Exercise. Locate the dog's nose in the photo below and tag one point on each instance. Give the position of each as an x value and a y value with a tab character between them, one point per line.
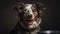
29	16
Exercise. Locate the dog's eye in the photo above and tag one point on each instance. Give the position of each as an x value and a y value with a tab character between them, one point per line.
25	9
21	8
34	10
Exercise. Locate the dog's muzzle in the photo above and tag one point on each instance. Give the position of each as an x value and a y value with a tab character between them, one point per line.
29	16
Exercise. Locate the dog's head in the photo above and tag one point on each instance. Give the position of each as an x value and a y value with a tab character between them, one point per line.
29	15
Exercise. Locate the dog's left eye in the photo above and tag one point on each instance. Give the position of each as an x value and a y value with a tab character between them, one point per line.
34	10
25	10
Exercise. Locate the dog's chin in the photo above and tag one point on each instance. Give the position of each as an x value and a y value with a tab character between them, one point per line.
27	23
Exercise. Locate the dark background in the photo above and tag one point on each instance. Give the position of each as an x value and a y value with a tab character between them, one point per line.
8	16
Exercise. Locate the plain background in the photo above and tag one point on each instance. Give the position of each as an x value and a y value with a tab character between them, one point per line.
8	16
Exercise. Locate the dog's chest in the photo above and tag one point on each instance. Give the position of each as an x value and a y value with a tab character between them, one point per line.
36	31
27	32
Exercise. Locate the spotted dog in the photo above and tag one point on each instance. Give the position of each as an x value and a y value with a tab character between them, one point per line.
29	19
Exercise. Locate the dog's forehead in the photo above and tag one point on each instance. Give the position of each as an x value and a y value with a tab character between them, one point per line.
29	5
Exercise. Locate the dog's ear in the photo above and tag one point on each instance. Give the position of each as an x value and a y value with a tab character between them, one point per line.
40	8
19	7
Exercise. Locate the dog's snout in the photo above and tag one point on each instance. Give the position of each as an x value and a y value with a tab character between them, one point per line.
29	16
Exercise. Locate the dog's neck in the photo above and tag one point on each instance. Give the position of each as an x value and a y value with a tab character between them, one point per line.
22	31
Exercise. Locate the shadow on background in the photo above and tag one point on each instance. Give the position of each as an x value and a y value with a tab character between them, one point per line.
8	16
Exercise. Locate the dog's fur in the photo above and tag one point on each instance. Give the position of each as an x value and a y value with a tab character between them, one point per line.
29	18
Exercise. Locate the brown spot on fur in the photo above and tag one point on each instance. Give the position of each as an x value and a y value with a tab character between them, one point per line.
41	12
33	8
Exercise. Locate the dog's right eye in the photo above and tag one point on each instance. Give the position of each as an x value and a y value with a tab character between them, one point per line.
34	10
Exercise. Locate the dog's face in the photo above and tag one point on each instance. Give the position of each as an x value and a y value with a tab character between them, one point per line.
28	16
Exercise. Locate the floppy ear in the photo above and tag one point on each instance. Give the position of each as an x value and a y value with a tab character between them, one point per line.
40	8
19	7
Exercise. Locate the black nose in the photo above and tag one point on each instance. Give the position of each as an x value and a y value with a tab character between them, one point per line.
29	16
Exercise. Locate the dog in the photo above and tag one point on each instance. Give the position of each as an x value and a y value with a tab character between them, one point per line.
29	18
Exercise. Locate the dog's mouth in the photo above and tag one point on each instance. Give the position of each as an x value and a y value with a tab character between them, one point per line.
28	21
